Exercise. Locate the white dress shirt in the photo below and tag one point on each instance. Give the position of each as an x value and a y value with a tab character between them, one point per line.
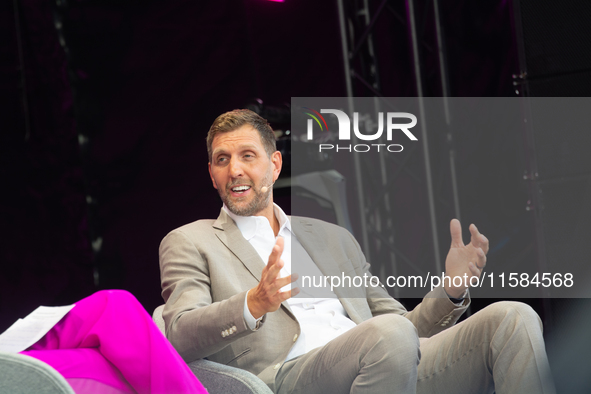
320	319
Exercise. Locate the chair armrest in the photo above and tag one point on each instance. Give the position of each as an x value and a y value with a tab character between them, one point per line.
219	378
24	374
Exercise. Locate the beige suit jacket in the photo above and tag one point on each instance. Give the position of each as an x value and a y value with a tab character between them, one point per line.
207	267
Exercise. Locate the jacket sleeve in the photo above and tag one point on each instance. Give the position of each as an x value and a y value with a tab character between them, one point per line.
195	325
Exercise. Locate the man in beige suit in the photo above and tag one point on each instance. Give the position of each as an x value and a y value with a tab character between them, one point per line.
225	283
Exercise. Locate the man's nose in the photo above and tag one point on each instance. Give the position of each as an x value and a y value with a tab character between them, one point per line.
235	168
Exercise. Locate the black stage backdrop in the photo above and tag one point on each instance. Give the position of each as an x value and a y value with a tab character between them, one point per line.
103	137
105	106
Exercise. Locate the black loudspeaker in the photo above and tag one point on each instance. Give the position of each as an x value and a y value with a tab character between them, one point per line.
559	160
554	47
554	42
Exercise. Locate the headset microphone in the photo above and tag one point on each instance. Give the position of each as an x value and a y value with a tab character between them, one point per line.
265	188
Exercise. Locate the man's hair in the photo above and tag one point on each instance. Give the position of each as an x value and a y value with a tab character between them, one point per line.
237	118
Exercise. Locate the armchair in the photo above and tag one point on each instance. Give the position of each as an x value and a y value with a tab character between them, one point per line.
218	378
24	374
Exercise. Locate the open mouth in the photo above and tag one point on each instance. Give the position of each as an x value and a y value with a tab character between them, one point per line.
240	189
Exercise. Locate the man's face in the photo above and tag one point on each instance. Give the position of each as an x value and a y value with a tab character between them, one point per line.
240	167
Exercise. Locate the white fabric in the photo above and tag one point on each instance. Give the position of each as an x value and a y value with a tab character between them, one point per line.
320	319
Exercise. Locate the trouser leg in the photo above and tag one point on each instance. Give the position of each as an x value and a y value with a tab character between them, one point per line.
378	356
499	349
114	323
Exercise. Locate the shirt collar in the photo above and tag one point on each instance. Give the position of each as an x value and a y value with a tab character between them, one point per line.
248	225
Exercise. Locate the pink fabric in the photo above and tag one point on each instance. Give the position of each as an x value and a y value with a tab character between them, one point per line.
108	337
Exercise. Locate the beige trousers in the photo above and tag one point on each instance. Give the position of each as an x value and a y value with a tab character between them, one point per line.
500	349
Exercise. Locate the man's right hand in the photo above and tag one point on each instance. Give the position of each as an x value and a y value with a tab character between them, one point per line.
267	297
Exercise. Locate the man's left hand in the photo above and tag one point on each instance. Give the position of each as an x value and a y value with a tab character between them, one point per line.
461	260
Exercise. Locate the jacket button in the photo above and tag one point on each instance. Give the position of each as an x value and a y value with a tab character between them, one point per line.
295	337
277	366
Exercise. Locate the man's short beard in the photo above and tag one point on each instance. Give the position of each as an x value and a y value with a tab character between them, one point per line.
259	202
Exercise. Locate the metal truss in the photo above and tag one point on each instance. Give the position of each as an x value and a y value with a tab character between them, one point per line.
378	214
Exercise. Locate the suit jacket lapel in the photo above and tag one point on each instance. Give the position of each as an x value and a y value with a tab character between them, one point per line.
313	243
230	235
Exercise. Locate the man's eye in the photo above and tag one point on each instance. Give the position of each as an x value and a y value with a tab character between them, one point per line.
222	159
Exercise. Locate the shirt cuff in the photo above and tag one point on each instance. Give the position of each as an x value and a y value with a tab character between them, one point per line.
251	322
458	301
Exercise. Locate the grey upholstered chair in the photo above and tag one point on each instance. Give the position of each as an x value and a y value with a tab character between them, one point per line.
23	374
218	378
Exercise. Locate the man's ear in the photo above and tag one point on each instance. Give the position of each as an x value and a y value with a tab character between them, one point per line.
277	161
211	176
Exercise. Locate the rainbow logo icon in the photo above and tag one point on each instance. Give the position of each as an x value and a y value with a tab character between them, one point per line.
315	117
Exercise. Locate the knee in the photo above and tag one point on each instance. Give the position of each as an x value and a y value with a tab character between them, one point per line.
388	352
392	328
397	338
504	308
119	294
514	314
118	298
